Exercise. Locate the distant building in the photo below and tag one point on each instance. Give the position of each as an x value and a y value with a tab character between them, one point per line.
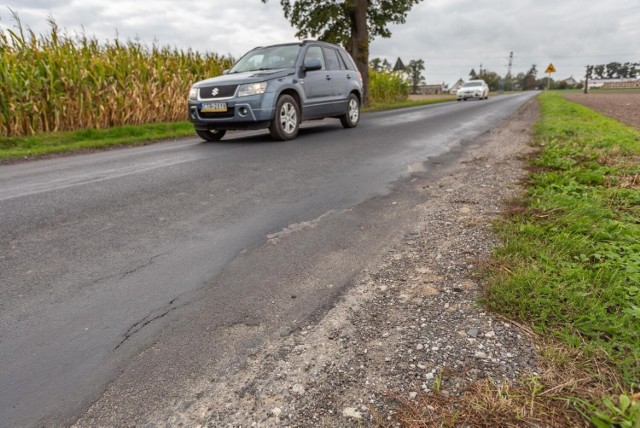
570	81
629	83
454	88
430	89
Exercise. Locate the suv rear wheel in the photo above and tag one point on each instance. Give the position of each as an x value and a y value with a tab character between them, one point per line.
286	123
211	135
351	118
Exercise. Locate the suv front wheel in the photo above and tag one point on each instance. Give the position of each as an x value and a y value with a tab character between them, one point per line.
286	123
351	118
211	135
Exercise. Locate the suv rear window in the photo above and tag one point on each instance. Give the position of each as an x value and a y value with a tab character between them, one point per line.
333	62
346	58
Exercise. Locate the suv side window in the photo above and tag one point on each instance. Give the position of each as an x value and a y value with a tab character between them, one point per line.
333	63
315	52
347	60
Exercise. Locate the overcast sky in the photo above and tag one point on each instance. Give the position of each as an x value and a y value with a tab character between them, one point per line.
451	36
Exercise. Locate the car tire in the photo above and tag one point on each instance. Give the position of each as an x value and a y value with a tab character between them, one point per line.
211	135
286	122
351	118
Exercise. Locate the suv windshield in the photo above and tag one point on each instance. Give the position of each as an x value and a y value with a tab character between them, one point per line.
469	84
270	58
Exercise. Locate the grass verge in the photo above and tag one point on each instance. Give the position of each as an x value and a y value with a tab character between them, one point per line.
569	272
90	139
570	266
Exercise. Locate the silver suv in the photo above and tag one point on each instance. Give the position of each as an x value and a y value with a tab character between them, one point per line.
277	87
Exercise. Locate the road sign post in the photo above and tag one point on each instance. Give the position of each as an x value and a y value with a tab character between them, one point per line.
550	69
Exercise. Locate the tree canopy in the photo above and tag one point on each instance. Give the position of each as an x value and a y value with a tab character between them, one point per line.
350	23
331	20
614	70
414	70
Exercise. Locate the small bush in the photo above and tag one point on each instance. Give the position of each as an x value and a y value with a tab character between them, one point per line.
387	88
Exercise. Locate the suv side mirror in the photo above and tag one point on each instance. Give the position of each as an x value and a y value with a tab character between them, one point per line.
225	71
312	65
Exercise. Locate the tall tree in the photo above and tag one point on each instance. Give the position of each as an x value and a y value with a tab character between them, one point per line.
473	75
415	69
492	78
613	70
530	81
376	64
599	70
351	23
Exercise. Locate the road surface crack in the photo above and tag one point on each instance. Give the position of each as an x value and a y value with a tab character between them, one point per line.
146	321
144	265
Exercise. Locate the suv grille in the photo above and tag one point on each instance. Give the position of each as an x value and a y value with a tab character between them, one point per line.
218	91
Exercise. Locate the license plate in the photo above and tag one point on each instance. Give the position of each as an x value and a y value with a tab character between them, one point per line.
213	107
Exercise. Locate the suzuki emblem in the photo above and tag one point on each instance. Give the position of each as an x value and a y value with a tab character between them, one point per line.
215	91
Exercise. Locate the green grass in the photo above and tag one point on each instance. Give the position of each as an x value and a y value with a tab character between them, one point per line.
570	264
90	139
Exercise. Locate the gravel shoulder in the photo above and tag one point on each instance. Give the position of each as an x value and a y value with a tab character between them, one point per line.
412	320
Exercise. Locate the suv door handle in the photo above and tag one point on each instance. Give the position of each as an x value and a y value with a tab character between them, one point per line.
348	76
328	77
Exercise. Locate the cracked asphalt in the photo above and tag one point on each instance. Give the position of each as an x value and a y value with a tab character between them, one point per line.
128	276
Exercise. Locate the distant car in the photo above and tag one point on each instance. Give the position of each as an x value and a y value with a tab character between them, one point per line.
473	89
277	87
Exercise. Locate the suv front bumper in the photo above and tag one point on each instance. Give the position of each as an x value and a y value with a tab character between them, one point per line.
252	112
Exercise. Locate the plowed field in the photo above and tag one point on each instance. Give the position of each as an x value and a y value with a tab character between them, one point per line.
623	106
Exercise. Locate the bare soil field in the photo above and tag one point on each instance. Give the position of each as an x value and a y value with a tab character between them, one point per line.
623	106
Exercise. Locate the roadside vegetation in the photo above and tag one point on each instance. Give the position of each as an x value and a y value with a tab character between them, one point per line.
569	273
390	92
90	139
57	82
64	94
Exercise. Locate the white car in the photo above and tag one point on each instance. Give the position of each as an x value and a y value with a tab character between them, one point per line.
473	89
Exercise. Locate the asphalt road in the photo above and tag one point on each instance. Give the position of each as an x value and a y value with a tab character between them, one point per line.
131	274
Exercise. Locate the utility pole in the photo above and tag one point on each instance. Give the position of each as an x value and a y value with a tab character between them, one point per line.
507	78
586	78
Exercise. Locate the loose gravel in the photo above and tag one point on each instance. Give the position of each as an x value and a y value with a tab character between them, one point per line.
406	327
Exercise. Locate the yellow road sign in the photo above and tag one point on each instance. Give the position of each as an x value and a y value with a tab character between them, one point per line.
550	69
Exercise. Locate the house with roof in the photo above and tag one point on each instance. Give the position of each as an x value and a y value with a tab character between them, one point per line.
430	89
627	83
454	88
570	81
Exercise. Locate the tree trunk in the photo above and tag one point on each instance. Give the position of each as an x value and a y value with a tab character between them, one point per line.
359	42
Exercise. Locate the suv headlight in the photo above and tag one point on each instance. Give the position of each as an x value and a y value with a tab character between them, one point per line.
193	93
252	89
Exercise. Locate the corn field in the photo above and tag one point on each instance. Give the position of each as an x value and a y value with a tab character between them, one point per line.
56	82
387	87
